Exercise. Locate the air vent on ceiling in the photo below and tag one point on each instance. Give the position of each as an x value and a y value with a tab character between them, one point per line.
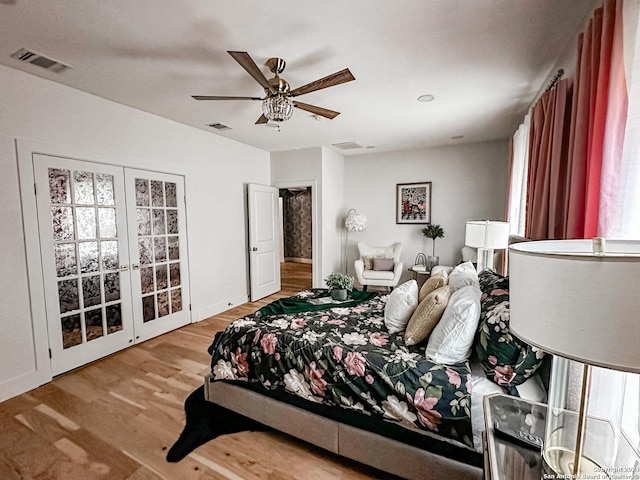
28	56
347	145
219	126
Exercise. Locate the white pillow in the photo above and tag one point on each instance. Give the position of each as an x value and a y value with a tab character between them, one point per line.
400	306
451	340
462	275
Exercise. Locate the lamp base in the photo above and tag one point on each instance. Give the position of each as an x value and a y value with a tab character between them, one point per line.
558	461
485	259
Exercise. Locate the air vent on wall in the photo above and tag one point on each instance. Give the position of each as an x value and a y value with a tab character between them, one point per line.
219	126
28	56
347	145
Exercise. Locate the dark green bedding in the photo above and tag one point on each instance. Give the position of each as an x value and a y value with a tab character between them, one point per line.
344	356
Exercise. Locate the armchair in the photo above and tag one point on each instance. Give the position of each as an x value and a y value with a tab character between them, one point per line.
371	269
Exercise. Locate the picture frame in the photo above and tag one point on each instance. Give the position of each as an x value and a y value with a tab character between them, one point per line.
413	203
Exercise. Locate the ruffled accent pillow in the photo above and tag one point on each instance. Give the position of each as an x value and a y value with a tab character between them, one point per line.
507	360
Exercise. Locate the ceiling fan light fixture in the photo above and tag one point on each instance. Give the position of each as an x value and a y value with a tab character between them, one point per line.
277	108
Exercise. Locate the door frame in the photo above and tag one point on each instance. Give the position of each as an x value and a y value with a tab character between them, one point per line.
316	227
41	372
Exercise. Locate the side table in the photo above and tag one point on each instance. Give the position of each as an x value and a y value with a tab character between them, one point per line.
505	460
420	273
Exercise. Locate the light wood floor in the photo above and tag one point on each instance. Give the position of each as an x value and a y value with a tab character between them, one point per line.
116	418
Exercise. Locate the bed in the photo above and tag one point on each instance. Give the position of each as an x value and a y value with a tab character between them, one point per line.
332	375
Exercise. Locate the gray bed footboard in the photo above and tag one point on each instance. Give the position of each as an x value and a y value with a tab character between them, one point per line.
372	449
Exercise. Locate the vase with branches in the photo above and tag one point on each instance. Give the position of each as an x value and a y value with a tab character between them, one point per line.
433	232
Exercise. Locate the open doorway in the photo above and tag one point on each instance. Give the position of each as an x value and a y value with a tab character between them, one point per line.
296	241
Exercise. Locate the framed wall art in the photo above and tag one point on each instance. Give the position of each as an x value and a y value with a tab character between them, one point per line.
413	203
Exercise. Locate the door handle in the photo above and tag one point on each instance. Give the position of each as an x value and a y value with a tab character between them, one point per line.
124	268
135	266
254	249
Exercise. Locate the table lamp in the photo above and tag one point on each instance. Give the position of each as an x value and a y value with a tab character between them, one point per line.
579	300
486	236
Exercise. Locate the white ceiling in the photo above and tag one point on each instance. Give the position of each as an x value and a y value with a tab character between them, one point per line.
483	60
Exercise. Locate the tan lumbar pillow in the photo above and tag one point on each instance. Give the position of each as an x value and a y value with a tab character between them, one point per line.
438	280
426	316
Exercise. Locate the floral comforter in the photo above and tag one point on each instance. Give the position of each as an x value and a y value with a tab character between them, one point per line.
344	356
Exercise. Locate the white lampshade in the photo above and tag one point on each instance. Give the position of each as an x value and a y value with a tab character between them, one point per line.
487	234
571	302
355	222
579	300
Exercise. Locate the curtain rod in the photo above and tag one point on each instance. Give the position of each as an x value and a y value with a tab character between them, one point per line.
556	78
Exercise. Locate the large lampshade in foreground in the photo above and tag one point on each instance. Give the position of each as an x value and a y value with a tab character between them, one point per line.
486	236
579	300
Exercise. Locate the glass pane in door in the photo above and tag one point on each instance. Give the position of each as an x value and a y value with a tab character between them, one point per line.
85	239
158	247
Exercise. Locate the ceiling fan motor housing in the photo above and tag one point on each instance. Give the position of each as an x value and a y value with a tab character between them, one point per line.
280	85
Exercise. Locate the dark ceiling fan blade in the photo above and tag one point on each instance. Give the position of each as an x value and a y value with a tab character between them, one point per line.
337	78
262	120
252	69
215	97
324	112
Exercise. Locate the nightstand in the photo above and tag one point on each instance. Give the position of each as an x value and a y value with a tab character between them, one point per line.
505	460
420	273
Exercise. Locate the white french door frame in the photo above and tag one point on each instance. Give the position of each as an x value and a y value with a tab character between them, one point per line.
87	350
41	371
316	229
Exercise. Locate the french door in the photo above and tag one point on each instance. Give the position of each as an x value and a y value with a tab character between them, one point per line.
113	255
158	249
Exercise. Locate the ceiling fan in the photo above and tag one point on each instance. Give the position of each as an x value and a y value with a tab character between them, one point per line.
278	104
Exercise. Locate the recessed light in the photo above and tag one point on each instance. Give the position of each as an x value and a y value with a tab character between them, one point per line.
426	98
457	137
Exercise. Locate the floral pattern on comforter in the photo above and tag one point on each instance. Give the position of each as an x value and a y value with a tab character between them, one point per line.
345	356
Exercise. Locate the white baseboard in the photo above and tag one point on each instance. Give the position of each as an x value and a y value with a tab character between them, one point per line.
211	310
298	260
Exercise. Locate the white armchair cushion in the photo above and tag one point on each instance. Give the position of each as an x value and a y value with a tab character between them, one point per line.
400	306
392	251
376	277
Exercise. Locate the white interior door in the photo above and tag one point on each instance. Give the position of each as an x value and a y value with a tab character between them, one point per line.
264	241
158	248
85	259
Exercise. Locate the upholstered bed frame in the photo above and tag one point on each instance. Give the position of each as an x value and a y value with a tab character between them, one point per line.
372	449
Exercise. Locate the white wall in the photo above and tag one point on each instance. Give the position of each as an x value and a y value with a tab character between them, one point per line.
297	168
333	212
323	168
59	120
469	182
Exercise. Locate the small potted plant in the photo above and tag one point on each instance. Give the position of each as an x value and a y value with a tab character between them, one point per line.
339	284
433	231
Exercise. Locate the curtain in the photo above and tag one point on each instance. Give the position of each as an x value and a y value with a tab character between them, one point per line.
516	205
620	204
588	123
548	146
577	136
